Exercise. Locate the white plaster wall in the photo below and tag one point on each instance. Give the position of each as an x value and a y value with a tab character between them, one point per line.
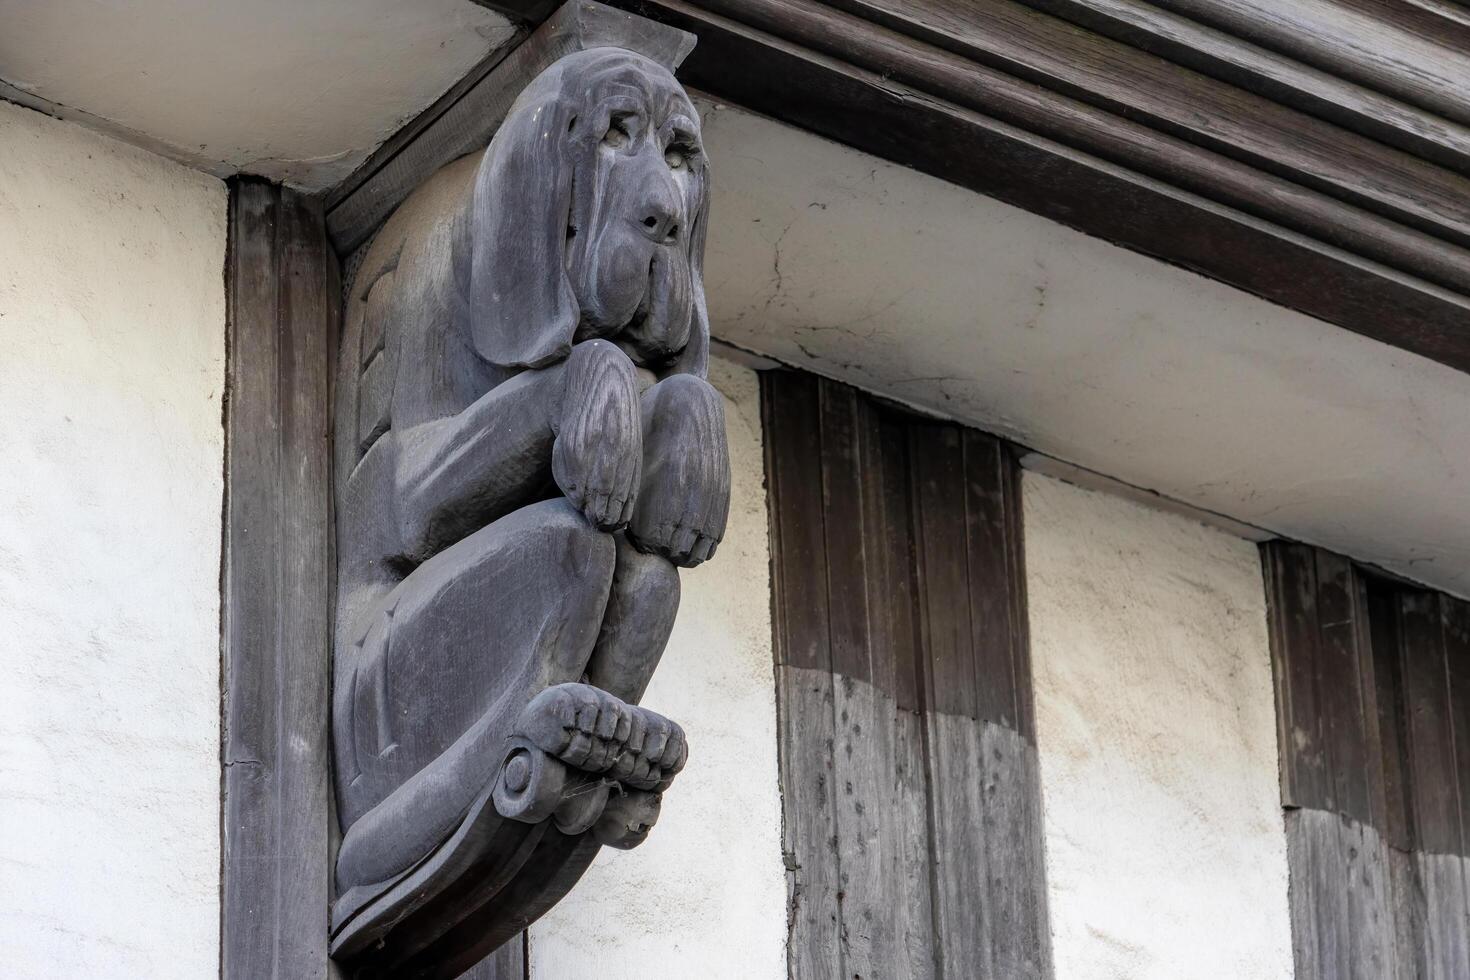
850	266
1165	849
112	320
705	896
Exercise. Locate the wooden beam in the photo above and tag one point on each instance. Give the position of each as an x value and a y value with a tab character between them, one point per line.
1271	149
530	12
1159	98
1400	49
467	116
1279	77
278	574
873	111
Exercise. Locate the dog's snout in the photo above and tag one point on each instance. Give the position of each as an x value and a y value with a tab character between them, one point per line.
659	217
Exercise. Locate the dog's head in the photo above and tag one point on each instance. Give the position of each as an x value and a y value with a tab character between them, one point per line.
588	218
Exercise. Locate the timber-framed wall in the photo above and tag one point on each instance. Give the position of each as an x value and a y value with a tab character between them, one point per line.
908	761
1328	183
1373	706
277	575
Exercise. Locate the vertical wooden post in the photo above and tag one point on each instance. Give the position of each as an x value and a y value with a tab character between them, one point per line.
276	583
908	774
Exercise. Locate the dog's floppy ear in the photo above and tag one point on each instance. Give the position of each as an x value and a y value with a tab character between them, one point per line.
523	313
694	358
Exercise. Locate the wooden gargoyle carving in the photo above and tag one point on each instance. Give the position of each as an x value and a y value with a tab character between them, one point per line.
527	451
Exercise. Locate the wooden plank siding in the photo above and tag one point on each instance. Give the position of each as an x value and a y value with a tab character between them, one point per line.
278	571
908	768
1372	694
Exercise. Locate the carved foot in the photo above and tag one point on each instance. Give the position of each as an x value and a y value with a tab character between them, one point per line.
590	730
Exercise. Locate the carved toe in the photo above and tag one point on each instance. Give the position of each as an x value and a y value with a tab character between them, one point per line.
588	729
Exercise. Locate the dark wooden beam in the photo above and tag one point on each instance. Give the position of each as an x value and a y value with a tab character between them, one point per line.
833	95
467	116
1278	77
1399	48
278	573
530	12
1172	110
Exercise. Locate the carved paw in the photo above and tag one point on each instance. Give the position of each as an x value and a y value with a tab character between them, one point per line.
590	730
598	455
684	500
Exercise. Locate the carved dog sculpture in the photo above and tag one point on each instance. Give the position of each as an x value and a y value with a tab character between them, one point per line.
526	449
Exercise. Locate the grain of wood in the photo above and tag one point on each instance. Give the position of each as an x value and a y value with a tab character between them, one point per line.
913	833
278	569
1222	55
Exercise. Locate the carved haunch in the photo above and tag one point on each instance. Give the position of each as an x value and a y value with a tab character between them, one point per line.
527	450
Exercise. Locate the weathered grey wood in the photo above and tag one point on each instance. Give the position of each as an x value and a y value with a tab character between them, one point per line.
886	918
1434	784
804	682
1276	76
506	963
465	120
1446	919
527	452
1431	739
1340	686
1015	913
1173	100
985	821
276	587
1455	624
958	769
1376	847
895	764
925	820
1291	593
1341	897
1394	48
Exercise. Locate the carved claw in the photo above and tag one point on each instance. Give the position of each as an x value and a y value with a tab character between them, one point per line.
590	730
597	458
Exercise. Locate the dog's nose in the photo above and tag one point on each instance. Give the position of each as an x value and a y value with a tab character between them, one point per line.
659	217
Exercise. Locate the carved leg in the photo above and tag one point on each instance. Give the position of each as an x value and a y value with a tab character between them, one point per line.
636	626
460	648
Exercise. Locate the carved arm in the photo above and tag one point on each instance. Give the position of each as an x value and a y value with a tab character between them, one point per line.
577	420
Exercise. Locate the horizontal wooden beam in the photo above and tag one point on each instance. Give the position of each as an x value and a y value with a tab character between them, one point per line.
1263	145
883	92
1149	93
1279	77
1408	50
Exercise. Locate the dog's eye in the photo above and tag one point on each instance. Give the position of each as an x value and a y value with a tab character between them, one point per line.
617	135
679	155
